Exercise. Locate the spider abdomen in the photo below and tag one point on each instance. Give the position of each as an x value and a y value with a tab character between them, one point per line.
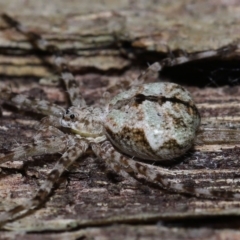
156	121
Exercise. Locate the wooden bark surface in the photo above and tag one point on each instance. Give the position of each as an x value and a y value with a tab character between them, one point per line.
108	43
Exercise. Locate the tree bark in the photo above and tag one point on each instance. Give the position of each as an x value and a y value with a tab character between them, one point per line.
107	45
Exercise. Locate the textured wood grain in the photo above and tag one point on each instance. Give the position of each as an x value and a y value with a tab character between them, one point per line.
89	198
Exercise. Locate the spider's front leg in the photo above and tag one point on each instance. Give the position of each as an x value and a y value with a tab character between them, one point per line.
49	139
204	183
47	145
67	159
34	105
60	62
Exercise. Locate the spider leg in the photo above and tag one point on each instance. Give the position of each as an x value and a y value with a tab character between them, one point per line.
50	121
48	145
34	105
67	159
72	86
48	127
169	62
150	71
60	62
205	183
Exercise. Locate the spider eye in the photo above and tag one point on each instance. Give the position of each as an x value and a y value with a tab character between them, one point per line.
67	111
72	116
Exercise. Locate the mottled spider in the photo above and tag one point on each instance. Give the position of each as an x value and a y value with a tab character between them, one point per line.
156	121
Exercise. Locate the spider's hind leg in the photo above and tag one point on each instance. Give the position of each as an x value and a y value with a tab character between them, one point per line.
47	145
67	159
184	58
203	183
60	62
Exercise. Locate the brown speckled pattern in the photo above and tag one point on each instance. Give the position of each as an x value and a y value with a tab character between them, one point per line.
151	121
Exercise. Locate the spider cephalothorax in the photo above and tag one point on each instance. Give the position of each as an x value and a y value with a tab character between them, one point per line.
84	121
156	121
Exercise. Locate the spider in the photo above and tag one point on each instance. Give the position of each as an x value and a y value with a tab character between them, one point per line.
156	122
